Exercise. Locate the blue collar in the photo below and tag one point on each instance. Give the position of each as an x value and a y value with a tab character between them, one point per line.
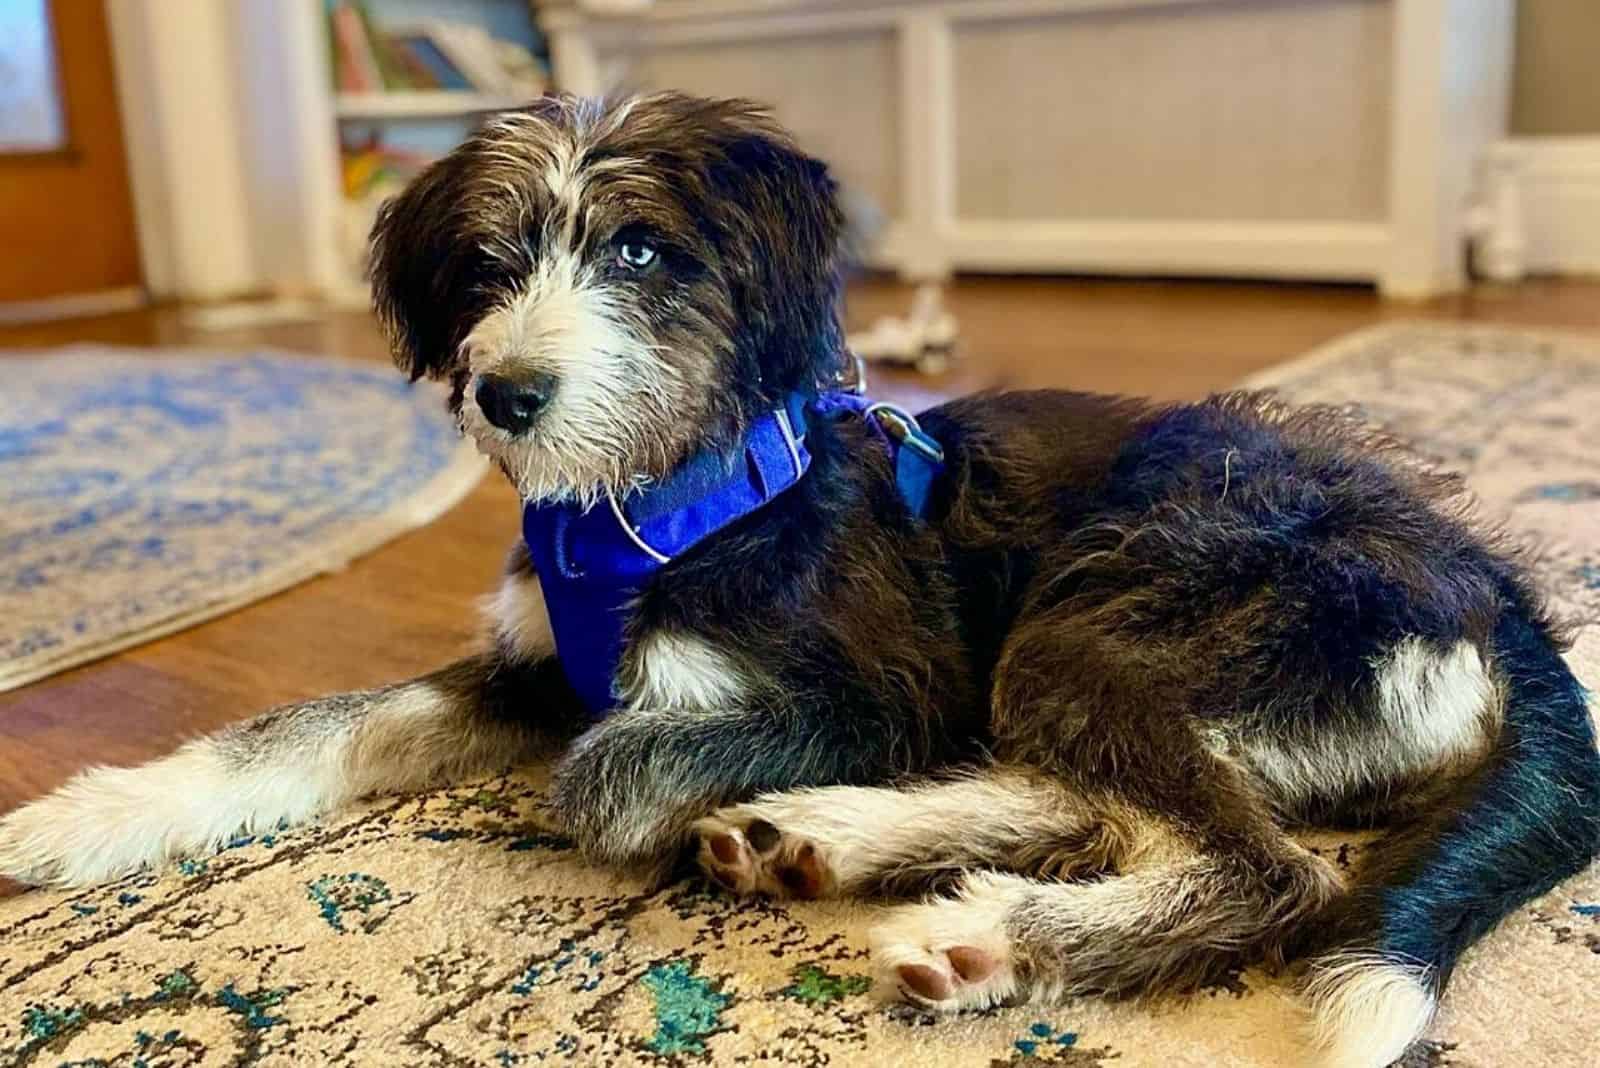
592	563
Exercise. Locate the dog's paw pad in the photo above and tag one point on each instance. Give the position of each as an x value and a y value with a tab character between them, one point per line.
763	836
926	981
750	855
726	848
950	979
942	957
972	964
726	858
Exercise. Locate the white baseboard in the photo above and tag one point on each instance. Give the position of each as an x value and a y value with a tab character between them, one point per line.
75	306
1329	251
1321	251
1540	211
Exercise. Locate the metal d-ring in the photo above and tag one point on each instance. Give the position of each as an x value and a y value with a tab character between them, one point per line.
857	384
904	428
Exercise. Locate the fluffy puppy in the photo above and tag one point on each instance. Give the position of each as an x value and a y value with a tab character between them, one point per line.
1080	698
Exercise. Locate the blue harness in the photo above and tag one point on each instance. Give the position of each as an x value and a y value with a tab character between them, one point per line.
593	563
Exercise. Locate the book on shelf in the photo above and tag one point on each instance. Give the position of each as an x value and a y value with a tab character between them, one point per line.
355	65
419	73
488	64
422	53
426	55
468	48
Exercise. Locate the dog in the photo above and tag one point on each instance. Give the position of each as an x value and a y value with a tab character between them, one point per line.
1073	698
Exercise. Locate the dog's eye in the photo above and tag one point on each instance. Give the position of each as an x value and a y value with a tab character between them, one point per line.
636	255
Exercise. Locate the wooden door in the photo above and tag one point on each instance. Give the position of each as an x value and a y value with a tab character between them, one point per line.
66	216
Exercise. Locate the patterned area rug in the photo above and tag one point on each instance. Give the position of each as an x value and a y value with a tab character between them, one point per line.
141	493
455	929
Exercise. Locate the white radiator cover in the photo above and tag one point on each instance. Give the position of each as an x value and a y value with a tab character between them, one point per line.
1320	139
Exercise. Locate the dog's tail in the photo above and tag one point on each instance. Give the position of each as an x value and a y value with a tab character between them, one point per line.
1527	820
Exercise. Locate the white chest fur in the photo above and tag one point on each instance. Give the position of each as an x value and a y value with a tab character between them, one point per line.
665	671
677	671
519	619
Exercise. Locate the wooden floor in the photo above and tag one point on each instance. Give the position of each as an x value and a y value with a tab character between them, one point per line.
409	606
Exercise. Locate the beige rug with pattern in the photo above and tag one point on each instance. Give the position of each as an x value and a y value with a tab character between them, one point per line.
456	929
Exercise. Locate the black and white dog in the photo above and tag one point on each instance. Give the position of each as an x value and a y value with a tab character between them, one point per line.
1078	697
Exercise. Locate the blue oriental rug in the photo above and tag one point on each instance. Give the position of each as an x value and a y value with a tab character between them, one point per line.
142	491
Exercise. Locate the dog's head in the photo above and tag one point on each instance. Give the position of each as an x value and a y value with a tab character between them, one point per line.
612	285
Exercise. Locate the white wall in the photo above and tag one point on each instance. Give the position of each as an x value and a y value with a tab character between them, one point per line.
230	142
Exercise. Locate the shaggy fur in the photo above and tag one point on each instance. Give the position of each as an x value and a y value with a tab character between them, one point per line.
1081	701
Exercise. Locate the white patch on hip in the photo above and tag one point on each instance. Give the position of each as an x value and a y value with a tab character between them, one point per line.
1434	709
1442	703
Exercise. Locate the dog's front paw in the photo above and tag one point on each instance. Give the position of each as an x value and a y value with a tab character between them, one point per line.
33	849
950	953
72	838
616	808
109	822
740	849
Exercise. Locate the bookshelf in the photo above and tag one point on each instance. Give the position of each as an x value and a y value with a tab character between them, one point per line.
407	79
421	104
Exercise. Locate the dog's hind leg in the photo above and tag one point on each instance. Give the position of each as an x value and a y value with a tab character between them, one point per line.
1054	891
1163	925
285	765
1210	880
841	840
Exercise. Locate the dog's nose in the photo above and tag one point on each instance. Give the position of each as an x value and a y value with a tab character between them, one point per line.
512	404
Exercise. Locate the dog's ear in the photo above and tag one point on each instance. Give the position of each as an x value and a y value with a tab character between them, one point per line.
424	275
782	226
